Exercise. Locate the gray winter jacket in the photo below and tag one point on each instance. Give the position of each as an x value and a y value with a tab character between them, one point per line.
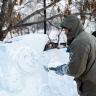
82	64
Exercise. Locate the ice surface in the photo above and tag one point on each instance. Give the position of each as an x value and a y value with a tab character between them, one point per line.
21	70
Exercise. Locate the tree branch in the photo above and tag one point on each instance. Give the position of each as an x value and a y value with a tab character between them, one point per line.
58	15
36	12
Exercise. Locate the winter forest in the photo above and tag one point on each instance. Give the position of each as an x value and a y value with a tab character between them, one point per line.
31	38
20	17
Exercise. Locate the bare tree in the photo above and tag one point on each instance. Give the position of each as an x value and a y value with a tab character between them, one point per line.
10	19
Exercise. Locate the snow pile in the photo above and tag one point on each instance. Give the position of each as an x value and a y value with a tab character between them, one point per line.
21	70
60	85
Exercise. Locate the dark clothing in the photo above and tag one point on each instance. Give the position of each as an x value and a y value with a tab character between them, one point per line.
88	88
82	64
94	33
68	49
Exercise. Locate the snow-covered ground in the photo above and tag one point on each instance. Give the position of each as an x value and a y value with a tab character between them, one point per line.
60	85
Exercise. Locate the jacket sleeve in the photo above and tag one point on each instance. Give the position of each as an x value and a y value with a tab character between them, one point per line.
78	59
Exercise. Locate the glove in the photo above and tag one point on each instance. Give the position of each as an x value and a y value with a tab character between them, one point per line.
61	70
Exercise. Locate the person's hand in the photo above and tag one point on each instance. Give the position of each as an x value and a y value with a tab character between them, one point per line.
61	70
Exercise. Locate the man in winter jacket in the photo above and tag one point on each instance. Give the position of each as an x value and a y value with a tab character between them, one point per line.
82	64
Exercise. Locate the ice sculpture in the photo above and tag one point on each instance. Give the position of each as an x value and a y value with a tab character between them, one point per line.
27	59
21	71
14	80
44	90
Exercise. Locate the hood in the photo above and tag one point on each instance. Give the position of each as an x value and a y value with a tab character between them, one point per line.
74	25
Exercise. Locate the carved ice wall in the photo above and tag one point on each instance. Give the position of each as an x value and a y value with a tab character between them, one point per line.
21	70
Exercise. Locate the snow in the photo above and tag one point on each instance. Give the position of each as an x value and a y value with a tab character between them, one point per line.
54	36
60	85
22	72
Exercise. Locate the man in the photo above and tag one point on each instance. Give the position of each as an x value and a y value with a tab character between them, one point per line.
82	64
